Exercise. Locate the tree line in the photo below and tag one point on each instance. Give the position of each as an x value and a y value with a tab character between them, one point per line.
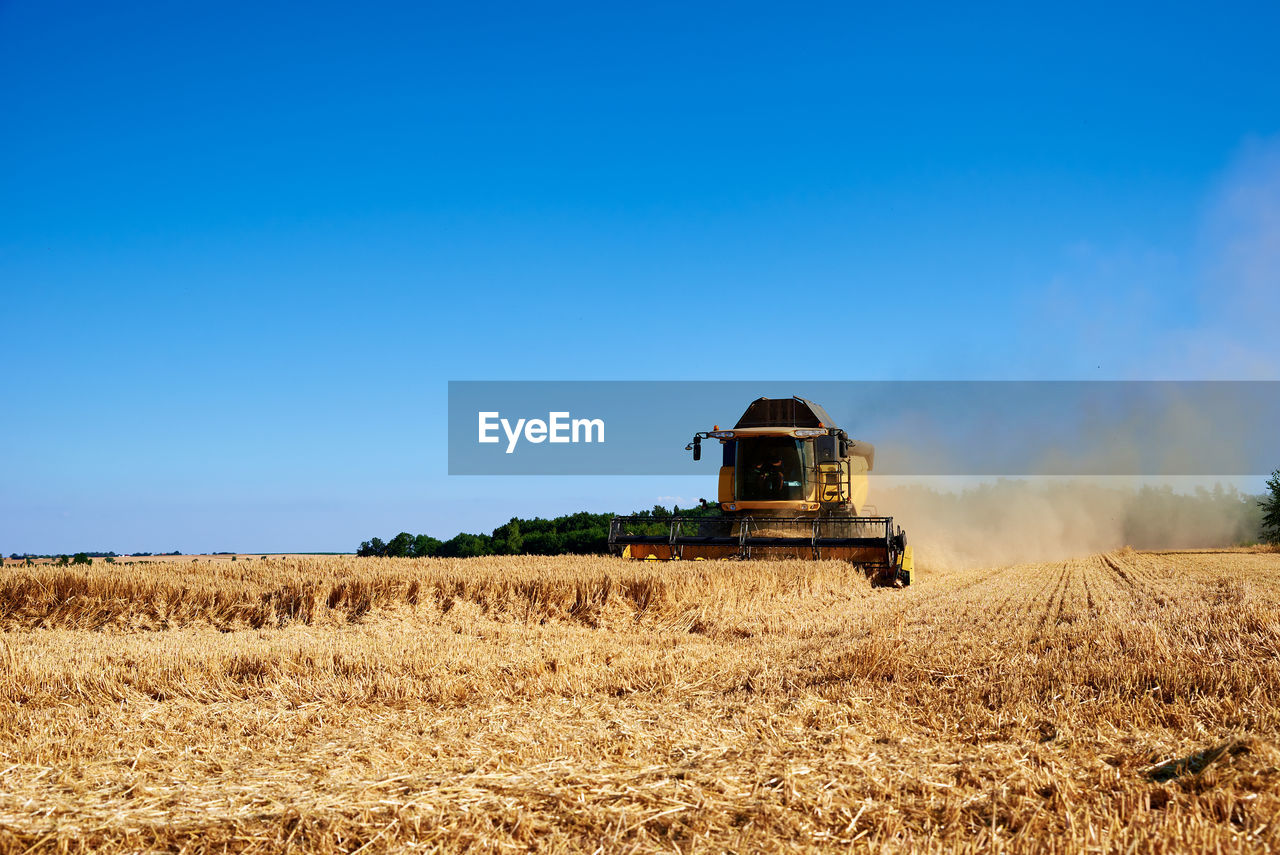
1251	518
582	533
66	560
1269	504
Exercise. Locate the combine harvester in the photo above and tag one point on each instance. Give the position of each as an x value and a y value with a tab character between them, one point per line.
792	485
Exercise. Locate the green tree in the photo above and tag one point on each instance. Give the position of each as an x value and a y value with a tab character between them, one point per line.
401	546
544	543
586	541
465	545
507	539
1270	505
425	546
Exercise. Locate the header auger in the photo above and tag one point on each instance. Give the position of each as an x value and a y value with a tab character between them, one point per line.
792	485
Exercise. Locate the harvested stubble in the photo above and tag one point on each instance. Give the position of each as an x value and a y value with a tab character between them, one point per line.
1127	701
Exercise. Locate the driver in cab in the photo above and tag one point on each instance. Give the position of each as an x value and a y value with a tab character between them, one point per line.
768	476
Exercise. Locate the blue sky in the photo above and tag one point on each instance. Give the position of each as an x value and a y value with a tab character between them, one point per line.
243	247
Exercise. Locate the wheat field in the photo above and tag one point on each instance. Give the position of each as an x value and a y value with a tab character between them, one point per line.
1125	702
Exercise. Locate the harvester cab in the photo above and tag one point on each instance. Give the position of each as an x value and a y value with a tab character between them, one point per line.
791	485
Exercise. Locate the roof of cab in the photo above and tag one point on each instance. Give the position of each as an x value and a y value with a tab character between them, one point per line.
784	412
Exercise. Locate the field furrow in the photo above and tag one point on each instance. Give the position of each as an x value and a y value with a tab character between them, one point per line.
1111	702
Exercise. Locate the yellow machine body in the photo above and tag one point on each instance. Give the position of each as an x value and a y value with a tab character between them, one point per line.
791	485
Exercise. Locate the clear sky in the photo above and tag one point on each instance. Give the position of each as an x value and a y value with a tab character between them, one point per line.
243	247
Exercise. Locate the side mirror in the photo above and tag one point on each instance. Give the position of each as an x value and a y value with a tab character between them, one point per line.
697	448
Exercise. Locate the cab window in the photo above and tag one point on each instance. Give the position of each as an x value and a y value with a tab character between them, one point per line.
770	469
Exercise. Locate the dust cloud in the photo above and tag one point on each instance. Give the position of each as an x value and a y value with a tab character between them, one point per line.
1014	521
